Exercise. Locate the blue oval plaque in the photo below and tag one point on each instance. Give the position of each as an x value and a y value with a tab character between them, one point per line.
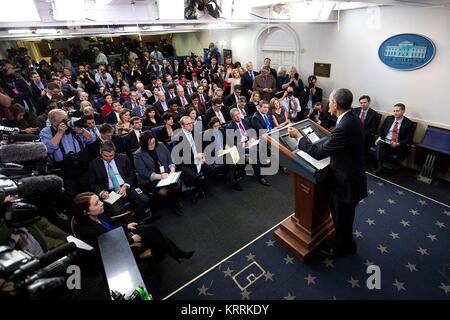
406	51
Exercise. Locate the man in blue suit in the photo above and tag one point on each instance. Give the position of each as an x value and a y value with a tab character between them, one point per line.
242	127
348	180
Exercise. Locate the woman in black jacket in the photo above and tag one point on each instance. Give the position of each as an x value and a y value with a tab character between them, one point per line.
154	163
91	223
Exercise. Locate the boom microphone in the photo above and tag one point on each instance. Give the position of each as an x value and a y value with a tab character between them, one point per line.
40	186
23	152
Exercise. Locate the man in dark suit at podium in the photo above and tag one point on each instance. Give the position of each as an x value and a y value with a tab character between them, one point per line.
348	180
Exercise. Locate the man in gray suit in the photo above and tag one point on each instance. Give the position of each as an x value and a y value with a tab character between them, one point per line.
139	110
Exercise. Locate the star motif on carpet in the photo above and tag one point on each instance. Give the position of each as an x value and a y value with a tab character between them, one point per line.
381	211
432	237
394	235
358	234
400	192
228	272
370	191
203	291
440	224
423	252
444	287
270	243
289	259
411	267
391	201
423	202
370	222
250	257
414	212
380	184
354	282
310	279
328	262
269	275
446	212
289	297
405	223
245	295
399	285
383	249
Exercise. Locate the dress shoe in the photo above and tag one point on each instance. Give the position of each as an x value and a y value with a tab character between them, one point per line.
264	182
183	255
236	186
284	170
203	194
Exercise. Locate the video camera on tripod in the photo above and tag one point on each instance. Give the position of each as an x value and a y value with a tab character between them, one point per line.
43	276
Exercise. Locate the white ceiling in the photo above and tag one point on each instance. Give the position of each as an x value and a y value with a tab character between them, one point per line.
111	19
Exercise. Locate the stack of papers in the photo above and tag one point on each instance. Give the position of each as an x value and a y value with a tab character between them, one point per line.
113	197
172	178
234	153
253	143
318	164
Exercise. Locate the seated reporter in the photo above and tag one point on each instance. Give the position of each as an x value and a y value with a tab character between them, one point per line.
216	135
397	131
106	133
113	172
20	121
153	163
186	153
91	222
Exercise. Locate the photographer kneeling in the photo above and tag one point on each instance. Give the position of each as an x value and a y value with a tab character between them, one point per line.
66	151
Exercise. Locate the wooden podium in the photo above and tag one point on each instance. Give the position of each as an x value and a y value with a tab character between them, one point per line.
311	223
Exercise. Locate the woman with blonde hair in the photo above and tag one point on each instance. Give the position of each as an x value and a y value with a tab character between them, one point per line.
124	125
279	115
253	104
233	77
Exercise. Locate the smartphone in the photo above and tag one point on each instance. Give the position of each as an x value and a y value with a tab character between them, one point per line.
138	191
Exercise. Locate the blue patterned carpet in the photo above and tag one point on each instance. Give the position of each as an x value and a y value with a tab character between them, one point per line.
403	233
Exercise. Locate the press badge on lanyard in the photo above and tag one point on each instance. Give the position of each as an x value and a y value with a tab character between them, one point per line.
161	169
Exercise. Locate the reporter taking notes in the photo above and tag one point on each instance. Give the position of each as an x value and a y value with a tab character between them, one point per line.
348	180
